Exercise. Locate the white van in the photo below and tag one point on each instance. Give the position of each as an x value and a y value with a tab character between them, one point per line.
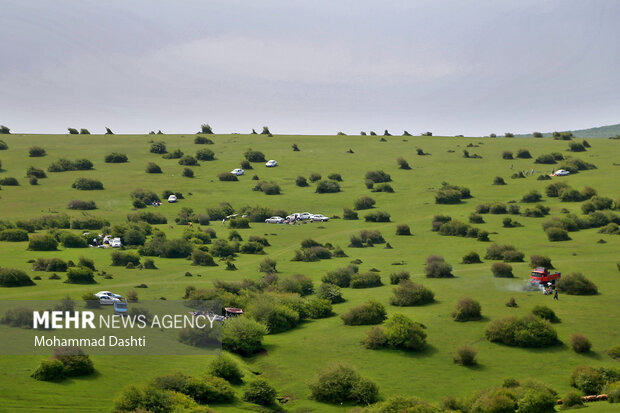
115	242
172	198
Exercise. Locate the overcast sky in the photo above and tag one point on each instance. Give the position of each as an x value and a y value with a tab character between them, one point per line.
450	67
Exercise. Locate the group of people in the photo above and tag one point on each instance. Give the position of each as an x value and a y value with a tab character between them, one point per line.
550	290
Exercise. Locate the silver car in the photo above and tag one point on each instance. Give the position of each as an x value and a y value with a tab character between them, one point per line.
274	220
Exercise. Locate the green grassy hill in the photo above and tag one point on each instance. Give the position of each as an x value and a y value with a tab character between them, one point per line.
291	359
598	132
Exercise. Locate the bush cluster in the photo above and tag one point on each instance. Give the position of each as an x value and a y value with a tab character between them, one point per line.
576	284
340	383
371	312
451	194
327	186
437	267
467	309
408	294
62	165
12	277
400	332
87	184
365	280
116	157
528	331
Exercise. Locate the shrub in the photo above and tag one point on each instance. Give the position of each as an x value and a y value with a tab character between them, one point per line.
75	361
371	312
402	163
122	258
523	154
11	277
498	180
532	196
466	356
254	156
243	335
45	242
205	155
49	370
557	234
340	383
576	147
540	261
71	240
226	368
153	168
147	399
365	280
3	145
613	392
80	275
87	184
116	157
145	196
260	392
319	308
497	251
528	331
330	292
571	400
349	214
227	176
403	333
437	267
513	256
202	258
327	186
587	379
176	154
502	270
576	284
188	160
158	147
375	338
408	294
364	202
269	188
36	151
545	313
397	277
9	181
14	235
383	188
475	218
471	258
89	222
340	276
49	264
301	181
153	218
378	176
580	343
268	265
35	172
507	155
82	205
467	310
188	173
202	140
377	216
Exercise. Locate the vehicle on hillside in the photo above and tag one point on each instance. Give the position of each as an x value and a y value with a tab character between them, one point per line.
172	198
107	294
561	172
541	275
107	300
274	220
271	163
120	308
237	171
305	215
318	218
115	242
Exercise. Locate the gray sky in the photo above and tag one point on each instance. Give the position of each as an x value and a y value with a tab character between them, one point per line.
451	67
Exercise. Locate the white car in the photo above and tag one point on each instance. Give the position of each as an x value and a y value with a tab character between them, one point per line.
274	220
115	242
237	171
271	163
305	215
172	198
107	294
107	300
319	217
561	172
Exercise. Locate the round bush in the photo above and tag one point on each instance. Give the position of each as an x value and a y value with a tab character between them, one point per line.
87	184
49	370
545	313
153	168
227	176
403	333
14	235
36	172
188	173
301	181
364	202
403	229
188	160
576	284
9	181
571	400
580	343
408	293
226	368
340	383
116	157
466	356
467	310
557	234
260	392
71	240
45	242
243	335
371	312
327	186
471	258
80	275
529	331
11	277
254	156
396	278
158	147
437	267
205	155
502	270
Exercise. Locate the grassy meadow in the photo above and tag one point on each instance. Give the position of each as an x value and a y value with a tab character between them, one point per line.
292	358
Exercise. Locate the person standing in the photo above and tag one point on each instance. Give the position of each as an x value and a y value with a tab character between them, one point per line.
555	296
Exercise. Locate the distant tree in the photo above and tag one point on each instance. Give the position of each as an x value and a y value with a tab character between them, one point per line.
253	132
509	135
73	131
386	133
158	147
4	129
493	135
84	131
108	131
405	133
537	135
427	134
373	133
36	151
265	131
206	128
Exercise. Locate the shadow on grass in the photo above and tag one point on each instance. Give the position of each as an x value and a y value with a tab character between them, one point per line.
593	355
429	350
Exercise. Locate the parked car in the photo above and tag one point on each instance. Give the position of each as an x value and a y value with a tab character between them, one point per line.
271	163
319	218
237	171
274	220
561	172
305	215
107	300
172	198
115	242
120	308
108	294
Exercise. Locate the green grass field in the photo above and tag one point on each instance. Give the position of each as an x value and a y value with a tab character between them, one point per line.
292	358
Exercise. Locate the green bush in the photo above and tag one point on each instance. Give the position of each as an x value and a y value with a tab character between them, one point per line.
49	370
576	147
576	284
540	261
397	277
364	202
330	292
188	173
403	333
528	331
9	181
378	176
402	163
327	186
532	196
13	235
71	240
226	368
227	176
205	155
467	309
471	258
75	361
49	264
12	277
340	383
153	218
158	147
202	258
36	172
314	177
82	205
502	270
545	313
116	157
587	379
260	392
513	256
557	234
319	308
268	188
580	343
243	335
371	312
365	280
176	154
507	155
377	216
466	356
340	276
202	140
148	399
403	229
122	258
523	154
349	214
437	267
254	156
188	160
44	242
87	184
301	181
80	275
614	352
408	293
